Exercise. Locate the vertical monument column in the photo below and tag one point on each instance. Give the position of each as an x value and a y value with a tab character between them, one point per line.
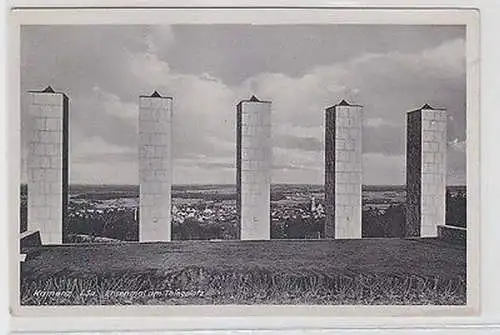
155	167
254	159
343	171
425	171
48	165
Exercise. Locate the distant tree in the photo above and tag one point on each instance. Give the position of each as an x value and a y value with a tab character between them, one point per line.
23	190
371	225
190	229
295	228
300	228
456	211
113	224
390	223
278	230
23	217
121	226
394	218
277	196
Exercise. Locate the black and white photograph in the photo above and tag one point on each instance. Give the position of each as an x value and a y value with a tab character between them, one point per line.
297	164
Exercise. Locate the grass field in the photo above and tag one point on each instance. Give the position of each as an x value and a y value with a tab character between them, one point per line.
364	271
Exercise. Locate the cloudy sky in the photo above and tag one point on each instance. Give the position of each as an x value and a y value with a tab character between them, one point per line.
207	69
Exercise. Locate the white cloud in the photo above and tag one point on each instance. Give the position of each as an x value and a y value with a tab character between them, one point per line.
204	108
112	105
97	147
297	166
146	67
316	132
298	103
377	122
159	38
387	84
447	59
380	169
102	173
96	161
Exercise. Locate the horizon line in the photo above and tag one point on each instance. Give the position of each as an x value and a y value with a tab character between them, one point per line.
227	184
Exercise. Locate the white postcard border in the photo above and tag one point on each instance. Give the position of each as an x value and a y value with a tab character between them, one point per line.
129	16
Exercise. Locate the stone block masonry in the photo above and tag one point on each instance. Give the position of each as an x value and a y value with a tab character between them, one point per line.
48	165
254	159
426	171
155	167
343	171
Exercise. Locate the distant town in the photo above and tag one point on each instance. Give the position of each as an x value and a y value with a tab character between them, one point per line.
111	212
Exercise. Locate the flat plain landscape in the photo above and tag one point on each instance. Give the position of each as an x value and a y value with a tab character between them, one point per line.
105	266
209	211
362	271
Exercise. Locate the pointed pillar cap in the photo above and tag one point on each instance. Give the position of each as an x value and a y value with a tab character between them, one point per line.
427	106
342	103
345	103
155	94
48	89
253	98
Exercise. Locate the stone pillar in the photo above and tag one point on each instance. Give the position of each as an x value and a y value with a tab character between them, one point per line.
48	165
425	171
343	171
155	167
254	159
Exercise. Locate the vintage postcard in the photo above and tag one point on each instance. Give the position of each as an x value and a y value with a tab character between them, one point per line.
305	162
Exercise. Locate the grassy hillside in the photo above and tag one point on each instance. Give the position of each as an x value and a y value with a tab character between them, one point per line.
367	271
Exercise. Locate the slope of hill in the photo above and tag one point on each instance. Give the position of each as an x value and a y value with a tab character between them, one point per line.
363	271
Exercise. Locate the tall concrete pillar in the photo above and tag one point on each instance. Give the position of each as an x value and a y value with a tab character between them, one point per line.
425	171
343	171
155	167
254	159
48	165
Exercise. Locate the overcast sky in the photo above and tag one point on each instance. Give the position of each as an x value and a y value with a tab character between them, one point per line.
207	69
